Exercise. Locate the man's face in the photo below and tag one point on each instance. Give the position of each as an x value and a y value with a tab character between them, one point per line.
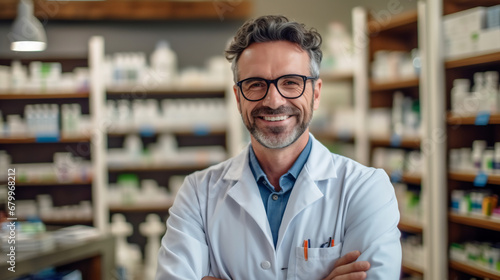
276	122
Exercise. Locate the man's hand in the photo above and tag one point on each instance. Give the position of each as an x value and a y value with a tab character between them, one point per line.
347	268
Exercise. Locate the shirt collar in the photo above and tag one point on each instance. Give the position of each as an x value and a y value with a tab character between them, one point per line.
294	171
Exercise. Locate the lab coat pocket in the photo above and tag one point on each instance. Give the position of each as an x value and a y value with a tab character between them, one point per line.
319	263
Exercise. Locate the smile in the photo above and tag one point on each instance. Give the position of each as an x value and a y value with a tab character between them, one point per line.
275	118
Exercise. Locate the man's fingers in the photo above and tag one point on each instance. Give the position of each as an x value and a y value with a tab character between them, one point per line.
348	268
351	276
348	258
360	266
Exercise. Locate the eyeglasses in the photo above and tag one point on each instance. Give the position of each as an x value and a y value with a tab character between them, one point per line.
289	86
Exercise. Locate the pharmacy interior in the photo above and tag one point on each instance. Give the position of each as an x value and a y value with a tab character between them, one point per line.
117	101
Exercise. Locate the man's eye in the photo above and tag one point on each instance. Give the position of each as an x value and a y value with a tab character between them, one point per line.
256	85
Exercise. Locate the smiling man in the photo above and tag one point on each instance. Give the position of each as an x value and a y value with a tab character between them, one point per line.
285	208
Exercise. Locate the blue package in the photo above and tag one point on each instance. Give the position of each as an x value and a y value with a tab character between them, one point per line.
493	17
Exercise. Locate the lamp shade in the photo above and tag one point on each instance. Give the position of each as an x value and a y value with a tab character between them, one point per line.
27	33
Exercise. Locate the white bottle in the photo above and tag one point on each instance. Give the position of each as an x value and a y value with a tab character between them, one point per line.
480	103
164	63
496	159
397	114
459	93
491	90
19	76
478	147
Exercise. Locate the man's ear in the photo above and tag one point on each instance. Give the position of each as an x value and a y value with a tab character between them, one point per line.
317	93
237	96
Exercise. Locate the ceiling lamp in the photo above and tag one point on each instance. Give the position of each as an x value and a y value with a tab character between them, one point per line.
27	33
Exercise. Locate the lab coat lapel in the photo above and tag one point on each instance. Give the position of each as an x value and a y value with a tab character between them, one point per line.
246	193
319	166
304	193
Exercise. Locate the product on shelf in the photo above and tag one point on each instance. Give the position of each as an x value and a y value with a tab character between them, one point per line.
338	53
44	209
484	97
130	71
409	203
144	116
483	254
43	77
42	121
165	151
471	31
400	121
127	192
397	161
479	159
481	203
65	169
388	66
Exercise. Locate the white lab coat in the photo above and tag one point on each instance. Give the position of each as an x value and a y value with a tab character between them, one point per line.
218	225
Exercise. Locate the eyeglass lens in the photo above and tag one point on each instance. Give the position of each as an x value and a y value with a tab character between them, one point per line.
288	86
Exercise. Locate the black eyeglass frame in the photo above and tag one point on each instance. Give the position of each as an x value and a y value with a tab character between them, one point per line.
275	82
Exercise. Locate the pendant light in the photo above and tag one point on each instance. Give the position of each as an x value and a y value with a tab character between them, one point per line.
27	33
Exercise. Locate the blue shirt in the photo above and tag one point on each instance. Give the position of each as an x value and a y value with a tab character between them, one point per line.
275	202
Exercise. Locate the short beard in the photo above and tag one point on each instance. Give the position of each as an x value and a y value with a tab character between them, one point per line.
274	141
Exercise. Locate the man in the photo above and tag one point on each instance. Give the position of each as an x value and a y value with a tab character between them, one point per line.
285	208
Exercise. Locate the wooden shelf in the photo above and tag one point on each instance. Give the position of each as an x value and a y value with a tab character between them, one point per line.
458	120
32	140
411	269
125	92
486	223
337	76
410	226
176	131
51	183
393	85
490	58
18	96
332	136
140	208
67	222
180	167
401	22
412	178
410	143
133	10
474	270
470	177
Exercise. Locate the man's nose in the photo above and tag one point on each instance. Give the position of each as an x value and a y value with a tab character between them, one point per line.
273	98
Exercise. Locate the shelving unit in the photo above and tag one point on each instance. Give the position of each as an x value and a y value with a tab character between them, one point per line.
452	132
29	149
402	32
338	140
186	136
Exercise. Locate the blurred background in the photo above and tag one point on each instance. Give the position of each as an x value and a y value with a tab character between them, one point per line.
105	107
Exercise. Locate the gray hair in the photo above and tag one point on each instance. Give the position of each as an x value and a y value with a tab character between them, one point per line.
275	28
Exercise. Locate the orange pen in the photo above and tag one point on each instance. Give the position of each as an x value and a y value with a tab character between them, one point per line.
305	249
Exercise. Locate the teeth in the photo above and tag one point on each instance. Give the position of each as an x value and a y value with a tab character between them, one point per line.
275	119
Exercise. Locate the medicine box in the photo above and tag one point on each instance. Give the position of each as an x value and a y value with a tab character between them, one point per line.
464	22
489	40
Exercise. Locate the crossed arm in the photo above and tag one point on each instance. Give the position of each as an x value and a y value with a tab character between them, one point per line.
346	268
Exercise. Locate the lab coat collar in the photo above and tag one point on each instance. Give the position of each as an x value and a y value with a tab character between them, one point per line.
319	166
